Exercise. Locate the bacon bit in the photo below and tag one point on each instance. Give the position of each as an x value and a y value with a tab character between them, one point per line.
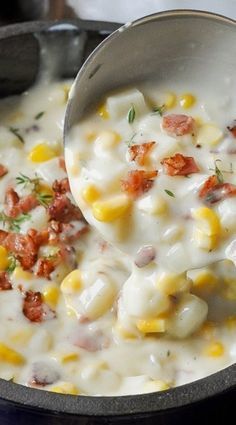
139	153
5	283
39	238
22	246
91	342
62	163
61	186
179	165
62	209
44	267
3	170
232	130
178	124
213	192
34	308
15	206
138	182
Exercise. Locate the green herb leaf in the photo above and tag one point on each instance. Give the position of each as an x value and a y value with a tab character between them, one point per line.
12	263
16	133
25	180
170	193
13	223
218	172
44	199
159	110
131	141
39	115
131	115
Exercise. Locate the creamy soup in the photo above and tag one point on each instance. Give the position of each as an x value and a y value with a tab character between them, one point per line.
80	315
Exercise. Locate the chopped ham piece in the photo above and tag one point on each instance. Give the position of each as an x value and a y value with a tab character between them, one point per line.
14	205
178	124
179	165
212	191
5	283
139	153
138	182
3	170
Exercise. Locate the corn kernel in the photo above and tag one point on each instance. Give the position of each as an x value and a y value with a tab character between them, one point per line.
107	139
209	134
170	283
170	100
187	100
103	112
20	274
215	349
42	153
90	194
151	325
204	241
21	337
70	357
4	260
44	189
205	280
51	295
112	208
72	283
229	289
124	333
153	386
90	136
207	221
153	205
65	388
9	355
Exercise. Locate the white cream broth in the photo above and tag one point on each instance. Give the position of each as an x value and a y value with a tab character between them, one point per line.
76	315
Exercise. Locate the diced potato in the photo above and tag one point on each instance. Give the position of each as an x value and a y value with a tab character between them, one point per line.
173	233
4	260
214	349
119	104
189	315
153	205
155	385
98	298
41	153
72	283
171	283
106	139
51	295
8	355
38	220
187	100
209	135
112	208
151	325
90	194
22	336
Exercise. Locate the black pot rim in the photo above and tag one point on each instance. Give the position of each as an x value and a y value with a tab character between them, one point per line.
213	385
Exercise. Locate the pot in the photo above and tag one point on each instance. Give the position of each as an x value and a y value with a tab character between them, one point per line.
207	400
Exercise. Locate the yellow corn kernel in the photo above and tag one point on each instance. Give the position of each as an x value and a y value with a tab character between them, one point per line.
70	357
170	100
20	274
108	139
65	388
187	100
160	206
42	153
72	283
90	136
229	289
198	120
231	322
112	208
170	283
70	311
4	260
207	221
103	112
91	194
9	355
206	280
44	189
151	325
204	241
124	333
51	295
21	337
153	386
209	134
215	349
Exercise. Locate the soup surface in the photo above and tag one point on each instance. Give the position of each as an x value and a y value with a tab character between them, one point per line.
143	309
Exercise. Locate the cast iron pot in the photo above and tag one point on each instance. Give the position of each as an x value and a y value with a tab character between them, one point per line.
209	400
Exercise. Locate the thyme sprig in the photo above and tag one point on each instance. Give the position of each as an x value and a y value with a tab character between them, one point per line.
16	133
170	193
131	114
159	110
44	199
14	223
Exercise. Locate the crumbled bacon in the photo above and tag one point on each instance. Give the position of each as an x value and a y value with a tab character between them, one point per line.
22	246
5	283
14	205
212	191
61	186
178	124
3	170
61	209
44	267
139	153
179	165
138	182
232	129
34	308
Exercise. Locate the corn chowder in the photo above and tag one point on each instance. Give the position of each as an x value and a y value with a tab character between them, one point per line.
78	316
